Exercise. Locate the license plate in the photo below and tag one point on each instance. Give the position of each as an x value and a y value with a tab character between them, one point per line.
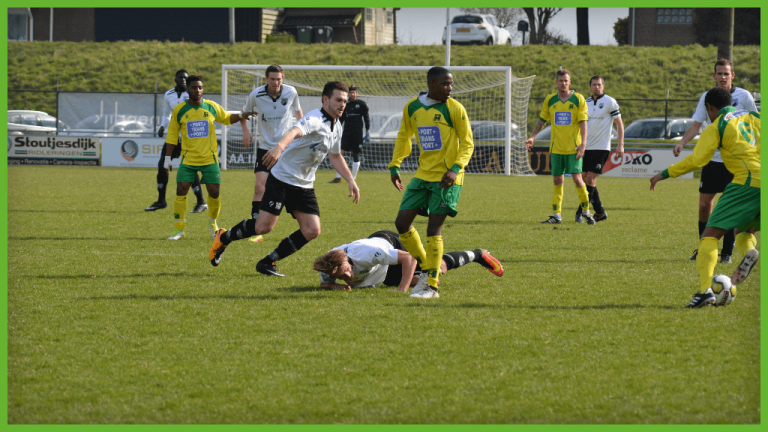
462	30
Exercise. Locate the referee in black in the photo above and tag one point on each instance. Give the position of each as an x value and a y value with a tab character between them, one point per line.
355	114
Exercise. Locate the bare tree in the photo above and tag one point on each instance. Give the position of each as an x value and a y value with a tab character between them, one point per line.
538	19
507	17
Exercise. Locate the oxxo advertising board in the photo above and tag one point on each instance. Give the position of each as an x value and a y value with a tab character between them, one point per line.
53	150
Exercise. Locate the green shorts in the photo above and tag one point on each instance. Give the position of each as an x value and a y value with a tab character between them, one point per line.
420	194
565	164
738	207
210	173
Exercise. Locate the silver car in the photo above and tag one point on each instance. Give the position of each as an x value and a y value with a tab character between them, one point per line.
29	122
480	29
653	128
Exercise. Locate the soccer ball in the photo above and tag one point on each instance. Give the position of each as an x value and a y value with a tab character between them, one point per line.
724	291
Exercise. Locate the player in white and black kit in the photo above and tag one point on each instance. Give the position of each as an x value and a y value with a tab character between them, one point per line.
172	98
603	112
354	118
714	176
276	103
293	163
382	259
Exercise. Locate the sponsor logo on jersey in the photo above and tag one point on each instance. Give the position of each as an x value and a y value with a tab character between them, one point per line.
197	129
562	118
430	139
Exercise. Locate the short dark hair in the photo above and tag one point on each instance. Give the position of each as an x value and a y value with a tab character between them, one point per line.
724	62
334	85
193	78
273	68
181	71
718	97
595	77
353	88
436	73
561	72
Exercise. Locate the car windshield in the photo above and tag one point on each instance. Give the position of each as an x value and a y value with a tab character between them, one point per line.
464	19
29	119
645	129
48	121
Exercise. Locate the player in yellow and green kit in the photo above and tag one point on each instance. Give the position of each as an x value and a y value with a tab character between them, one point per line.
442	131
194	118
567	113
736	133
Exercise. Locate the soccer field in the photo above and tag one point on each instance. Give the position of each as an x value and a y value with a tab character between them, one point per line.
108	322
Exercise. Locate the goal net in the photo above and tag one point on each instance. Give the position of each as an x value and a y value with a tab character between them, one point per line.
495	100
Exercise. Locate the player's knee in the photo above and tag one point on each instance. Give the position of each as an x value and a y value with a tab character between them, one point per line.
311	233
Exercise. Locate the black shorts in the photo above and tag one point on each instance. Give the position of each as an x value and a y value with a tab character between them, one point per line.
394	272
279	194
594	160
352	143
258	166
714	178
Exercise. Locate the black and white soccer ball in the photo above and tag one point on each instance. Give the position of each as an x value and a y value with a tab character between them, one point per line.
724	291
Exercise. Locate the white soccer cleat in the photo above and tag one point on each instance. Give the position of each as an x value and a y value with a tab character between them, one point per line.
177	235
213	226
428	292
745	267
421	285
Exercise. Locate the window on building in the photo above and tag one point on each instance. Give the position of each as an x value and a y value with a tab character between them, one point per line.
389	17
369	14
17	27
674	16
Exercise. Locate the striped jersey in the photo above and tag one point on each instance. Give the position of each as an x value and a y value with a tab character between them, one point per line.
170	100
602	111
276	115
300	159
443	134
742	99
370	259
736	133
198	133
564	118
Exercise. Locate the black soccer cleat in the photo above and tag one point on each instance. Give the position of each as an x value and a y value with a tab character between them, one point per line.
695	254
579	218
268	268
701	300
725	259
157	205
335	180
200	208
552	220
599	217
590	220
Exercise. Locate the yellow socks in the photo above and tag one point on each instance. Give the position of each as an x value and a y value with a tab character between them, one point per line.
412	243
557	199
434	258
214	207
705	262
180	212
745	241
583	199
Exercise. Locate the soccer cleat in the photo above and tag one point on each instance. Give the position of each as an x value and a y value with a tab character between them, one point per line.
255	239
745	267
157	205
217	248
695	254
601	217
428	292
177	234
579	218
725	259
200	208
590	219
492	264
335	180
213	226
701	300
268	268
552	220
421	285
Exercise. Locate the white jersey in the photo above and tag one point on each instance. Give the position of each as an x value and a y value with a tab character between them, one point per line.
299	161
276	115
741	99
170	100
370	258
602	112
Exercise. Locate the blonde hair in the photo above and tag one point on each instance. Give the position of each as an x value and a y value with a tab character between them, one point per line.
330	263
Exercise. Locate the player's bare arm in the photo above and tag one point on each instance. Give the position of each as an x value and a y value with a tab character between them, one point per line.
580	149
408	264
448	179
299	115
272	156
247	137
397	182
620	129
655	179
529	142
693	129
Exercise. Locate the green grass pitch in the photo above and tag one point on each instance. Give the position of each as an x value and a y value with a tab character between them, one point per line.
110	323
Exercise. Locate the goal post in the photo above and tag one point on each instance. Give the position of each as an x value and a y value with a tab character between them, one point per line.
496	102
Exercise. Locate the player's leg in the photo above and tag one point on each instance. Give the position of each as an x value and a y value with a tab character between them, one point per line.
201	206
415	197
454	260
162	184
246	228
558	178
574	167
747	244
705	264
262	173
212	180
355	163
183	182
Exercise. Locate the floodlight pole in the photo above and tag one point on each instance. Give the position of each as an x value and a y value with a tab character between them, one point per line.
447	37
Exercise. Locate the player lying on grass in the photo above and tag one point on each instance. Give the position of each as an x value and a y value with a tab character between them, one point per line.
382	259
736	132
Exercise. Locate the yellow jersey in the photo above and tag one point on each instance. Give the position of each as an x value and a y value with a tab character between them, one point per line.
444	137
564	118
198	132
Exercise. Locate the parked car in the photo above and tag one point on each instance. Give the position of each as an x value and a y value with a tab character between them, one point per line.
477	29
492	131
32	122
545	135
653	128
96	125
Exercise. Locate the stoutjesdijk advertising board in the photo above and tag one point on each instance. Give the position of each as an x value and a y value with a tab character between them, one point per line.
53	150
133	152
634	162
